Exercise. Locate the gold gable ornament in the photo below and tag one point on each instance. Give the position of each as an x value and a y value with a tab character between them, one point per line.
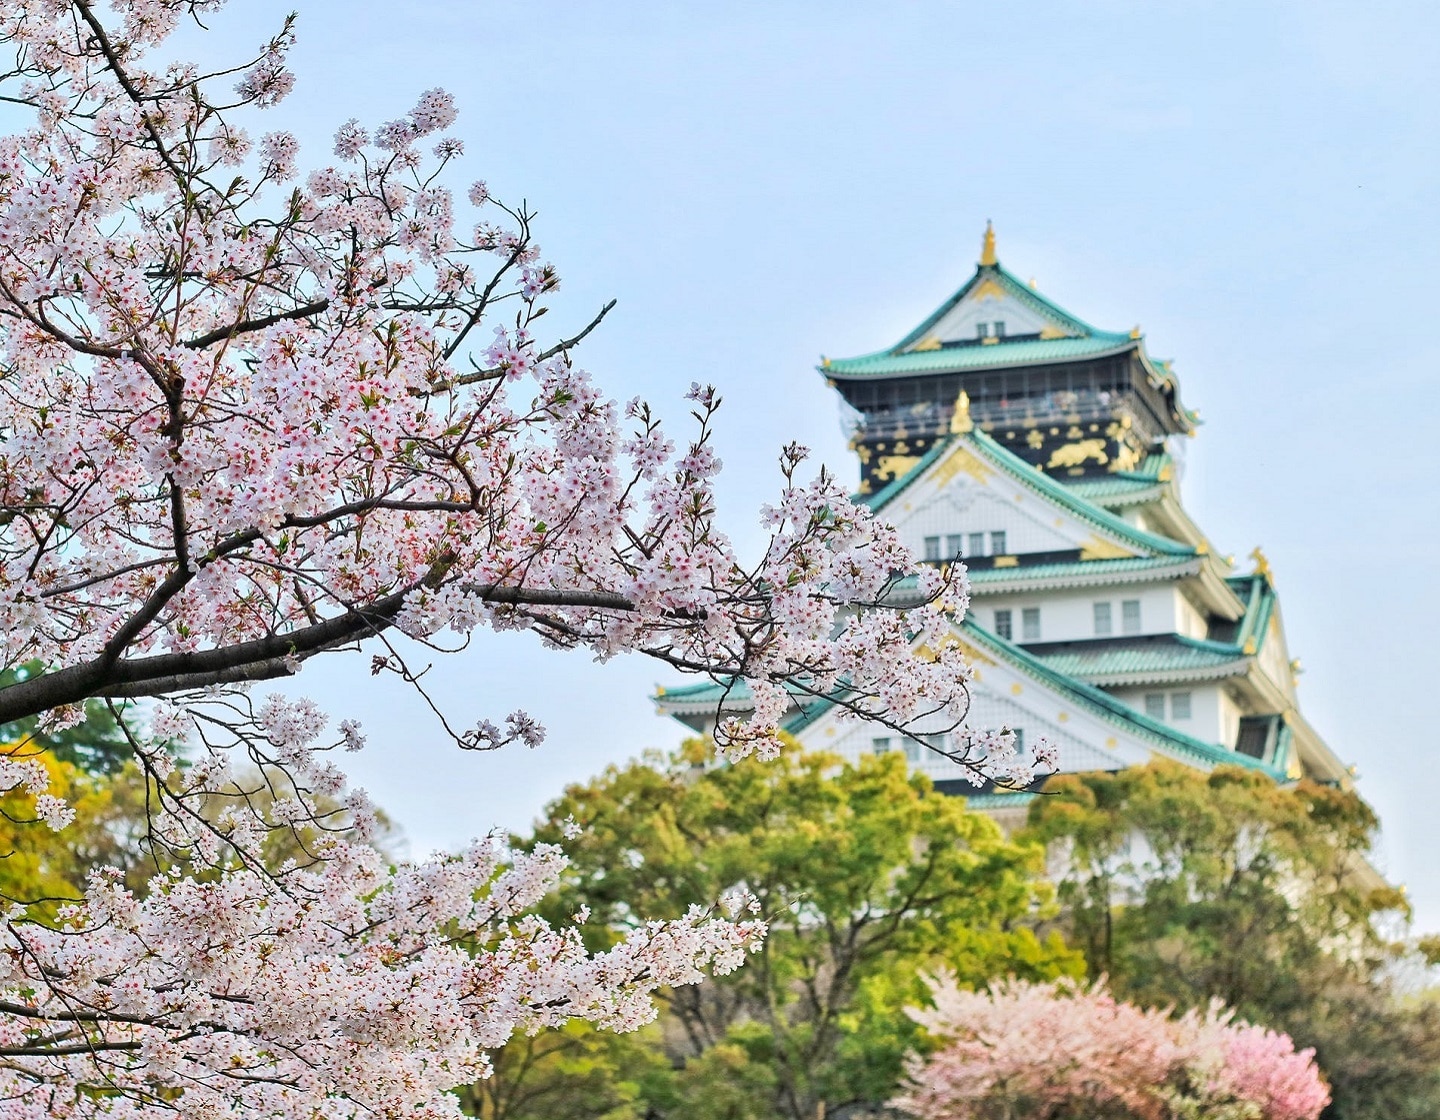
988	289
960	421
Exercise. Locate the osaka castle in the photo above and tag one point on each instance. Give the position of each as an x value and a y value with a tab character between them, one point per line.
1005	432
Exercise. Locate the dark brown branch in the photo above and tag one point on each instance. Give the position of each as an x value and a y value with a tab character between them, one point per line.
245	326
258	659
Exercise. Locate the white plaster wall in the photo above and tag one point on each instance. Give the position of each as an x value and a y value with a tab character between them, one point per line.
959	324
1067	616
967	507
1188	619
1001	697
1214	718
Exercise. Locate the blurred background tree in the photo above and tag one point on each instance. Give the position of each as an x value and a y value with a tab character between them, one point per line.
1182	886
868	877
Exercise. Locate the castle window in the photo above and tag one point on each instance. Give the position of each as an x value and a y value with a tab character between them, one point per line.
1030	624
1155	705
880	746
977	544
1179	705
999	328
1130	616
932	548
912	750
954	545
997	543
981	330
1003	625
1254	737
1102	620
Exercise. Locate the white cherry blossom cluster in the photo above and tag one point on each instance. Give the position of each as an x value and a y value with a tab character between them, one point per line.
338	996
250	414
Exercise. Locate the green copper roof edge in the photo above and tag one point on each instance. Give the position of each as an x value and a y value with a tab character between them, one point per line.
1121	498
1039	481
710	692
1162	567
1259	606
1136	677
1036	480
1019	290
1041	577
1117	711
1086	695
1209	645
983	801
887	364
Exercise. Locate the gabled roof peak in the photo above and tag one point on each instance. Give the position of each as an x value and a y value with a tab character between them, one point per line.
994	307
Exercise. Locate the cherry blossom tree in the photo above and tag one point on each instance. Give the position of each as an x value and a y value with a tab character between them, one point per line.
248	417
1060	1051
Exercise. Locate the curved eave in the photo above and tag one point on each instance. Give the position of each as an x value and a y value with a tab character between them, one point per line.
1122	499
1316	758
999	581
885	364
1237	668
1165	381
1175	743
990	802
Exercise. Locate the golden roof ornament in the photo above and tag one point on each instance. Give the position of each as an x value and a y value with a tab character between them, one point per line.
960	422
987	246
1262	565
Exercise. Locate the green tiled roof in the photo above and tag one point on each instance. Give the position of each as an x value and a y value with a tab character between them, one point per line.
1122	483
1077	340
1077	691
998	800
1104	704
972	356
1036	576
1176	654
737	697
1258	596
1110	487
1119	565
1012	286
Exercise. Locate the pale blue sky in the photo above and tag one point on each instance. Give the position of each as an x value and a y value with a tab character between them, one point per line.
1254	183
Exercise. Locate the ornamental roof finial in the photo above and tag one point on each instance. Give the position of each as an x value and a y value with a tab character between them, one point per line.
1262	565
960	422
987	247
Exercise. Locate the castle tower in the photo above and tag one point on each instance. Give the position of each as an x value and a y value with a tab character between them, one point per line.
1007	433
1045	385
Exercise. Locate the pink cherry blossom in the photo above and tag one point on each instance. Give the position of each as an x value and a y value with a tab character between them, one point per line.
252	412
1044	1050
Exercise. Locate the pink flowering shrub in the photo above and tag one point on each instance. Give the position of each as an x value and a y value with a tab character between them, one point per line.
251	413
1263	1066
1061	1051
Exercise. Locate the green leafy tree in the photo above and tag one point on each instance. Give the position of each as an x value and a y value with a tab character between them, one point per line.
96	744
1182	886
868	877
576	1073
